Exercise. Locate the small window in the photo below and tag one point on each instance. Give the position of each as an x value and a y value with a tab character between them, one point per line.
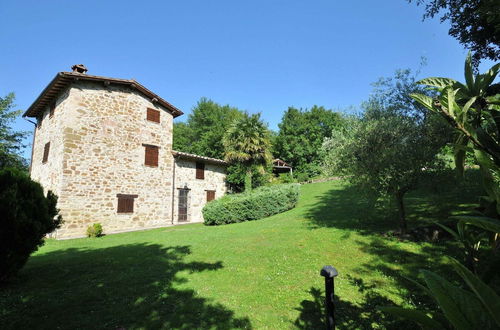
52	109
210	195
151	155
125	203
200	170
153	115
46	150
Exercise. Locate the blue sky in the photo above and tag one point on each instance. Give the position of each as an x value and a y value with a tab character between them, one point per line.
261	56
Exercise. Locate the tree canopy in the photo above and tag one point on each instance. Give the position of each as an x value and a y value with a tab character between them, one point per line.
474	23
301	133
387	149
247	142
202	133
11	142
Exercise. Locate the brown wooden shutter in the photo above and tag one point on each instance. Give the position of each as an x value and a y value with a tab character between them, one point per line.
125	203
52	109
200	170
46	150
210	195
151	155
153	115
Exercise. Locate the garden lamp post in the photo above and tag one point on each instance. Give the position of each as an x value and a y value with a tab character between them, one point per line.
329	272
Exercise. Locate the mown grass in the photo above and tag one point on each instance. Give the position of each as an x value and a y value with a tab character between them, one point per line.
260	274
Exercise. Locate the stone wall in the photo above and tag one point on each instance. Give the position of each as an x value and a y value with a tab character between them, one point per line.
49	174
185	176
100	135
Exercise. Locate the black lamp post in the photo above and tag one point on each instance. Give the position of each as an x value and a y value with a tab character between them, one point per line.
329	272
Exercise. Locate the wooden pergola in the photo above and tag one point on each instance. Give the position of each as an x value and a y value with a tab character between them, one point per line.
280	166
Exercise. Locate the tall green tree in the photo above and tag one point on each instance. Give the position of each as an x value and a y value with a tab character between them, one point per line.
474	23
388	149
247	142
203	131
301	133
11	141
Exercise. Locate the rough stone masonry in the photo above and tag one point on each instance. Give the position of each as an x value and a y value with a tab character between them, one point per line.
104	146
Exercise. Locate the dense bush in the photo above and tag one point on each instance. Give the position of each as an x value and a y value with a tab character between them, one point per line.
95	230
26	217
257	204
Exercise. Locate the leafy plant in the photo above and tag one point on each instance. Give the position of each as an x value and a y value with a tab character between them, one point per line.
257	204
94	230
27	216
473	110
476	308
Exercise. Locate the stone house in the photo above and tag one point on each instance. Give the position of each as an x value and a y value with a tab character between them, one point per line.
104	146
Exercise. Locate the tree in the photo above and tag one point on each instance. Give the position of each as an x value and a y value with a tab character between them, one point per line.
203	132
475	23
388	149
11	142
301	133
247	142
27	216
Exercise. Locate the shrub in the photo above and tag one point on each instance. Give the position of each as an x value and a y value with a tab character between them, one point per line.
27	216
257	204
95	230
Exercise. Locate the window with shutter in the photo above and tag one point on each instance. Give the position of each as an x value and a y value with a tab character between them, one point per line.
52	109
46	152
150	155
210	195
200	170
153	115
125	203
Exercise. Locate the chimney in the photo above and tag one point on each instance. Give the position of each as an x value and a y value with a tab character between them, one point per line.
79	68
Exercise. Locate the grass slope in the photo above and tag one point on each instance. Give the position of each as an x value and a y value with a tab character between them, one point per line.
259	274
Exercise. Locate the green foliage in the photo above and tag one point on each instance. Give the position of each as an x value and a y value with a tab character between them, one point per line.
27	216
475	23
247	142
237	173
94	230
462	309
473	110
387	149
301	133
257	204
203	132
11	143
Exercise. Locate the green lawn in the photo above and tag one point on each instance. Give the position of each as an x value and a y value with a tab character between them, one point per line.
260	274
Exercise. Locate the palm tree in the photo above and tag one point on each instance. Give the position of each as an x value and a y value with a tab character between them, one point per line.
247	141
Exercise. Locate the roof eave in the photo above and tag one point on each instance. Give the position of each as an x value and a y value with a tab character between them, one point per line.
64	78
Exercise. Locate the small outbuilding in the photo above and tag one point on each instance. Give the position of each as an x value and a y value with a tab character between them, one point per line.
280	166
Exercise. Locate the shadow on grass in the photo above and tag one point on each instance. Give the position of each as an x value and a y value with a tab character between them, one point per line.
349	207
348	315
346	208
127	287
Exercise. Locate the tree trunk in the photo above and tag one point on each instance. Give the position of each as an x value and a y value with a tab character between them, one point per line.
401	210
248	180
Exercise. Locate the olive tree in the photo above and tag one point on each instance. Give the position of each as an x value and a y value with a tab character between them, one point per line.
389	147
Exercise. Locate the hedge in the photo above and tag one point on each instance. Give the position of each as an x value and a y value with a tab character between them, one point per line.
257	204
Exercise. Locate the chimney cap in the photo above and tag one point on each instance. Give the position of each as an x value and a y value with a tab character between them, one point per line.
79	68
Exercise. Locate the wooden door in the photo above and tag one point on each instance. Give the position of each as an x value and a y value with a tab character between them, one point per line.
183	205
